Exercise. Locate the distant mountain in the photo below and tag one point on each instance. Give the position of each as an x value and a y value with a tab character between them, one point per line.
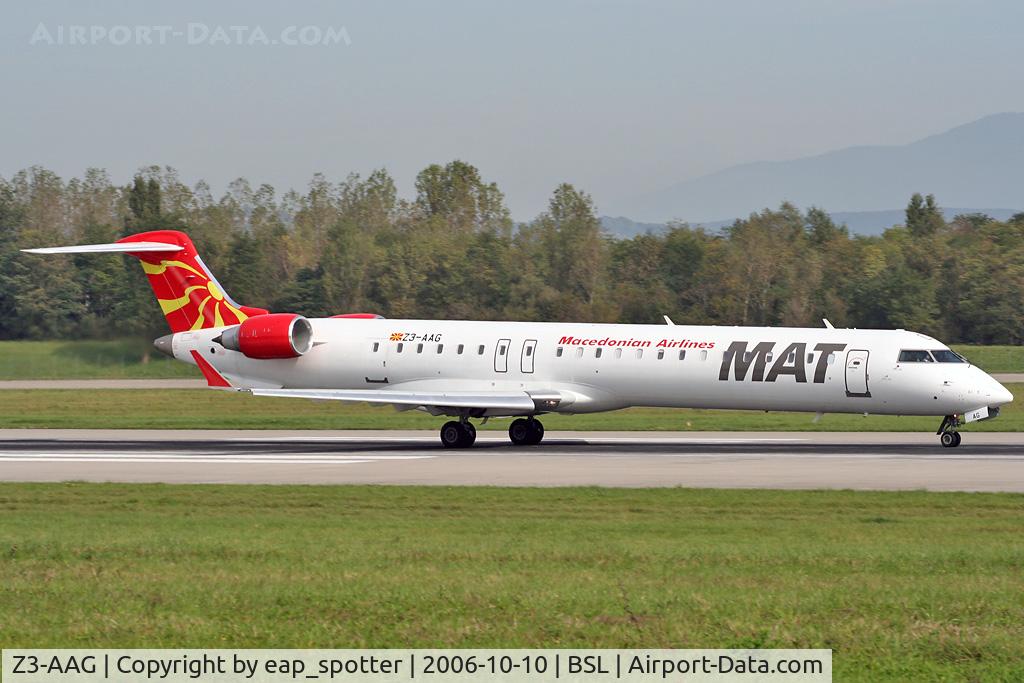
976	164
624	228
859	222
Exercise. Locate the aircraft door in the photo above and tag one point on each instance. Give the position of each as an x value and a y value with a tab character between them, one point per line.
857	373
526	360
501	355
377	367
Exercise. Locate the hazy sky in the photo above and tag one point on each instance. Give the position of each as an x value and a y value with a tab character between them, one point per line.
618	98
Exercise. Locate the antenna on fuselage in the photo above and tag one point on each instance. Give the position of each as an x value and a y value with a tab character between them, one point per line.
828	324
668	320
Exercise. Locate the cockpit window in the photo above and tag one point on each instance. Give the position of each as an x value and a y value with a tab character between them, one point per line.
916	357
947	356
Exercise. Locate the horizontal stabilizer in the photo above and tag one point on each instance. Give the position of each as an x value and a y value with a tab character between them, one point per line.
114	248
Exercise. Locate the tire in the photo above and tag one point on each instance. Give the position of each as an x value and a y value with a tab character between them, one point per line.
958	437
452	435
468	435
519	432
949	439
536	432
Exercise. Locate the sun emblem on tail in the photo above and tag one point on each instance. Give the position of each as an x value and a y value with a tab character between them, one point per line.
187	290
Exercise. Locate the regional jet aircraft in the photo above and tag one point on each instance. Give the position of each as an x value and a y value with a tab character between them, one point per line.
467	370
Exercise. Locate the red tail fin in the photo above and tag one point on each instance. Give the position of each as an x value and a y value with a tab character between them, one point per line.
188	293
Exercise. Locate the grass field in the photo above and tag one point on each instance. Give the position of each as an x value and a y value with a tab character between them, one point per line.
207	409
119	359
903	586
993	358
123	359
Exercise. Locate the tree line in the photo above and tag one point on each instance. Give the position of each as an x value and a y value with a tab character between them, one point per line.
453	251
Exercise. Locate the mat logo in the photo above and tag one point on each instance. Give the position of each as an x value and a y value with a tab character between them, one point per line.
792	361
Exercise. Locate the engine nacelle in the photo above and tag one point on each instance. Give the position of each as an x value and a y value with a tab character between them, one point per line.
274	335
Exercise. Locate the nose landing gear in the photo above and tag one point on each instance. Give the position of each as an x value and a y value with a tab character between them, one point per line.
949	437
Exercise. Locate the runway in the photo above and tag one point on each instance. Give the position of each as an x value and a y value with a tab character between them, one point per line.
783	460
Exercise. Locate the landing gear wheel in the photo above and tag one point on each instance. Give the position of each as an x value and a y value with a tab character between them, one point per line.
950	439
457	434
519	432
468	434
536	432
526	432
948	436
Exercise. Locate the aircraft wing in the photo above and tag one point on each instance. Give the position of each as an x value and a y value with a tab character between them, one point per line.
506	402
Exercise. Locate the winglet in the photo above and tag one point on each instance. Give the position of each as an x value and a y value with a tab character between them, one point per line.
213	378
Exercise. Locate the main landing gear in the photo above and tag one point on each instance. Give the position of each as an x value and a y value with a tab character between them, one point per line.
526	431
949	437
460	434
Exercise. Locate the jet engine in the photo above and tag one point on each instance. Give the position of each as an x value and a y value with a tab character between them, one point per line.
274	335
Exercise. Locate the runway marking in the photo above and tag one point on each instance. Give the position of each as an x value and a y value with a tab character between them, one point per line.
498	439
808	456
206	458
191	461
206	454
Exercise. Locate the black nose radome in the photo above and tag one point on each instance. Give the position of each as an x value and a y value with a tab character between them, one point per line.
163	345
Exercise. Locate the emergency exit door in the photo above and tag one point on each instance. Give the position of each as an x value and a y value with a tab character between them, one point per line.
857	373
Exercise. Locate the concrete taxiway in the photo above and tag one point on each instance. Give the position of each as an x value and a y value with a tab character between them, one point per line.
787	460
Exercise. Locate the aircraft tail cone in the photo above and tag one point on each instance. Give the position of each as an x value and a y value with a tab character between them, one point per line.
163	345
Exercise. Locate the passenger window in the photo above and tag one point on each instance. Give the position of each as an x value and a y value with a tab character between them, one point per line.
501	350
747	355
400	347
768	358
810	358
792	357
419	348
579	352
480	350
703	355
915	357
682	355
459	349
639	353
440	348
661	354
831	358
618	353
597	352
529	351
376	347
558	352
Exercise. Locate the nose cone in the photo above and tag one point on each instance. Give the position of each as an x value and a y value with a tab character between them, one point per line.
1001	393
163	345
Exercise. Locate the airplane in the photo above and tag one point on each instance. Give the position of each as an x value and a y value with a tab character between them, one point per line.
469	370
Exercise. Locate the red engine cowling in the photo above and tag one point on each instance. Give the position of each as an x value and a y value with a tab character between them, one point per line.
274	335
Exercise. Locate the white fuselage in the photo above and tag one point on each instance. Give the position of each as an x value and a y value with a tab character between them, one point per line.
595	367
